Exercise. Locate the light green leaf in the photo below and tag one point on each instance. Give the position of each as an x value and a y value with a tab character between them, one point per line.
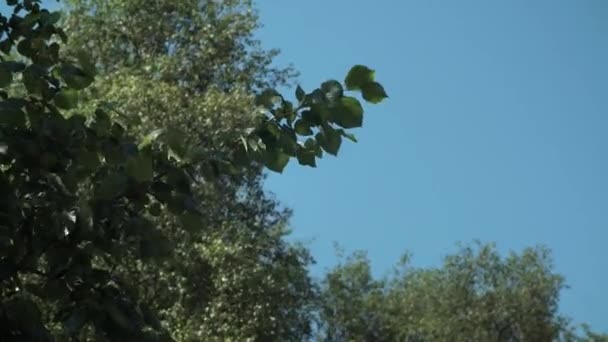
151	137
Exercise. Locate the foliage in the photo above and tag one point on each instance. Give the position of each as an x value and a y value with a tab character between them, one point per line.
79	192
198	61
474	296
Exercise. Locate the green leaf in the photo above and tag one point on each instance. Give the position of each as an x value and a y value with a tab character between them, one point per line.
312	117
358	77
349	136
333	90
66	99
191	222
330	140
306	157
268	98
74	77
111	186
288	143
33	79
155	209
118	316
349	114
11	114
6	76
86	62
175	139
373	92
52	18
151	137
75	321
312	145
302	128
300	93
140	168
276	160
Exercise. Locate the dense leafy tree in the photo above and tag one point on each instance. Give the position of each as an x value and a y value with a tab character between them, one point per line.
474	296
198	61
80	191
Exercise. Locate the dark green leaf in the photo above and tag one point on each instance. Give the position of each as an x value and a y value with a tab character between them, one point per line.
140	168
330	140
33	79
74	77
306	157
66	99
373	92
276	160
300	93
11	114
52	18
268	98
358	77
302	128
174	138
75	321
288	143
191	222
312	117
111	186
86	62
333	90
349	114
6	76
155	209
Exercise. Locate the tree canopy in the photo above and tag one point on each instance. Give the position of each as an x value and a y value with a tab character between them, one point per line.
79	190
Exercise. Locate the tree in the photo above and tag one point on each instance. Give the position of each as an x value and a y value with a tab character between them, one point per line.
198	60
79	192
474	296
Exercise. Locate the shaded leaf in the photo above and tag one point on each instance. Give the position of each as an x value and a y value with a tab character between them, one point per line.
302	128
140	168
373	92
300	93
349	114
306	157
358	77
66	99
276	160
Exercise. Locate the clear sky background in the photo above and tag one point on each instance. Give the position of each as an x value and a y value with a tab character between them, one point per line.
496	129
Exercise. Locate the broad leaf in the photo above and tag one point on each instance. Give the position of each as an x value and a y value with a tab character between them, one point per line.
66	99
358	77
373	92
349	113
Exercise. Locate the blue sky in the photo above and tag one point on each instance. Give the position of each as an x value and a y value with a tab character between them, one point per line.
496	129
